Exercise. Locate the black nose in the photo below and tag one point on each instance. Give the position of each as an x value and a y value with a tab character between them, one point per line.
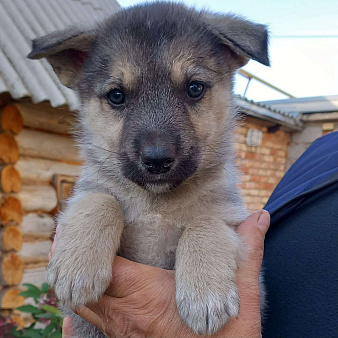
157	160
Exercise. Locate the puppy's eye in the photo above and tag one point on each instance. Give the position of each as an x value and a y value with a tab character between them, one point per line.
115	97
196	89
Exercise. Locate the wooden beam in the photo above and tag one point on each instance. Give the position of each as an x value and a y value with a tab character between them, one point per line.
10	238
37	198
9	151
11	269
37	223
10	299
10	179
10	210
44	117
10	119
40	144
40	171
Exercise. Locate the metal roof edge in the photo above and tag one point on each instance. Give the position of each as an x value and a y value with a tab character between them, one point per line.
256	110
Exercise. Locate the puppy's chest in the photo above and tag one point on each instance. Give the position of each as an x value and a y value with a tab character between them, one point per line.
151	240
150	236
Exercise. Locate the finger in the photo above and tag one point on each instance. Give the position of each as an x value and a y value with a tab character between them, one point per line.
89	315
253	231
254	228
67	330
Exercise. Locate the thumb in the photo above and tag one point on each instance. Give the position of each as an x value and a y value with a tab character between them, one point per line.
253	231
67	330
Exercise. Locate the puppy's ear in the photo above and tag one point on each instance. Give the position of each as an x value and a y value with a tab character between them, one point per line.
247	39
66	51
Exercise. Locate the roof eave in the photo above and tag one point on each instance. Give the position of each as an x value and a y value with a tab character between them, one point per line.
262	113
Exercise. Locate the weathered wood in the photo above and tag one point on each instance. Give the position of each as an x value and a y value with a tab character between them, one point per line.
10	299
10	238
64	186
49	146
11	120
37	198
44	117
10	210
37	223
36	276
36	250
11	269
39	171
10	179
9	151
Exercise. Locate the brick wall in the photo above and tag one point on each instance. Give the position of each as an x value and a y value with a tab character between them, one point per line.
263	166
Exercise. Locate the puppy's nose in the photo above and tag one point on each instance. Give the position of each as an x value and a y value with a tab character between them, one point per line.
157	160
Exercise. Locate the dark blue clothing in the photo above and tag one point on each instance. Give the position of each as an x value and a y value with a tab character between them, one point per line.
301	248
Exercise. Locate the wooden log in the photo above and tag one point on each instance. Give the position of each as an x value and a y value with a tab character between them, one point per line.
37	198
39	171
40	144
11	120
10	238
9	151
37	223
10	179
36	276
10	299
36	251
43	117
10	210
11	269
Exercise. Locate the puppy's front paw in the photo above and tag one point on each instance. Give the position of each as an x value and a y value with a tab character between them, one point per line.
206	310
79	279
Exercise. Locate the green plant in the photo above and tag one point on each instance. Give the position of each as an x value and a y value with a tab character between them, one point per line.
47	320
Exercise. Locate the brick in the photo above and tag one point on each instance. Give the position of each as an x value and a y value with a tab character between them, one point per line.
272	179
264	151
279	173
241	130
280	160
281	153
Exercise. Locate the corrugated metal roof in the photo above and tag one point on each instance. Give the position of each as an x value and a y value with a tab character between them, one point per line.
20	22
268	113
305	105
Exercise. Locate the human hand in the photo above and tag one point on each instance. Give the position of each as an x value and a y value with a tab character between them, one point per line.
140	301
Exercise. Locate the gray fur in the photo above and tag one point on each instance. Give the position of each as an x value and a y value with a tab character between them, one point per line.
186	218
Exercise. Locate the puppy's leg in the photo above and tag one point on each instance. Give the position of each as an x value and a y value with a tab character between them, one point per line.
88	238
208	255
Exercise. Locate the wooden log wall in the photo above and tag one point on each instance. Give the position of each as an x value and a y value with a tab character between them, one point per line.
11	212
35	145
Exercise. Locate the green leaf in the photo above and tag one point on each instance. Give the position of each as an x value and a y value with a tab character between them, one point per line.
14	333
51	309
33	333
48	329
30	293
56	334
29	309
46	315
32	287
44	288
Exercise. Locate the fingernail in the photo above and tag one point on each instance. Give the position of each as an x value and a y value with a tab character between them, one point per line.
264	220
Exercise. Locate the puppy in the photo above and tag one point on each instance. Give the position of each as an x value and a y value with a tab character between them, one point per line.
159	181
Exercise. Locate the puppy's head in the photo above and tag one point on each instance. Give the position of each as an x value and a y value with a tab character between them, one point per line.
155	85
